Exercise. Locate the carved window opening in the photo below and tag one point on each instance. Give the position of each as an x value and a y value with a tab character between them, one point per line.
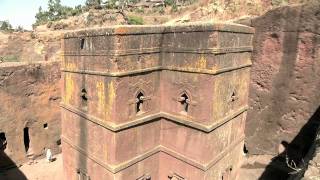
233	96
139	102
45	126
3	141
58	142
26	138
185	101
82	42
84	95
139	58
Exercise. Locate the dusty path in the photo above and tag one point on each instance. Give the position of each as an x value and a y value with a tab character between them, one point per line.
41	170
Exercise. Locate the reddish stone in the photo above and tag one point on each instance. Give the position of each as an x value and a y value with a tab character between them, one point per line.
160	102
284	87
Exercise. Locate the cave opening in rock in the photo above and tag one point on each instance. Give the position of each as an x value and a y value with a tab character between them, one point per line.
245	150
26	138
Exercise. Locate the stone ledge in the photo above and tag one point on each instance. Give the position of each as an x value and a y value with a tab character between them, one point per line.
155	117
117	168
157	68
157	50
23	64
159	29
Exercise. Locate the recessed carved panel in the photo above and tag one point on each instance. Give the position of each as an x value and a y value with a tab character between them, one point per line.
141	97
186	96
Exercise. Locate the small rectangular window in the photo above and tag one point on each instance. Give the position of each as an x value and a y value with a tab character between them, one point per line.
82	42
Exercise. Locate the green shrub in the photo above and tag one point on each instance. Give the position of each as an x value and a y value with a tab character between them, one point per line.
169	2
279	2
6	26
174	8
135	20
161	10
172	3
9	58
55	12
19	29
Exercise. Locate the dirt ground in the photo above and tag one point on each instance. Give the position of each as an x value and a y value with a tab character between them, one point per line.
42	170
39	170
252	169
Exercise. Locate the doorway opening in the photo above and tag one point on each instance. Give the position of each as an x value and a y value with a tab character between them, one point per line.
26	138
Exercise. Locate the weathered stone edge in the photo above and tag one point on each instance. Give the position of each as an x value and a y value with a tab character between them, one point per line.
157	68
25	64
159	29
155	117
158	50
117	168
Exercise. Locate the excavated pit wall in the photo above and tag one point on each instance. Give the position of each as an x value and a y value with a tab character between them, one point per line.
30	117
159	102
284	95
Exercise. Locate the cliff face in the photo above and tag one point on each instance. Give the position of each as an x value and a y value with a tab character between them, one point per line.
29	46
29	111
285	82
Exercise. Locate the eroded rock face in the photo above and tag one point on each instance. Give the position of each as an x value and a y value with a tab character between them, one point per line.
29	111
29	46
285	79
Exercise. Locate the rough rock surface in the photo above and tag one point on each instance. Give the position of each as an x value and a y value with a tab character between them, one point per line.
313	167
29	46
30	96
285	82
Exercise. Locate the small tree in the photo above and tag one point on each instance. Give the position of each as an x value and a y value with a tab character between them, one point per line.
55	12
5	26
93	4
77	10
42	17
19	29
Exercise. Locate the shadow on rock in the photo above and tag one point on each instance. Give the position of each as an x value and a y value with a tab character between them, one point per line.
292	162
8	169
